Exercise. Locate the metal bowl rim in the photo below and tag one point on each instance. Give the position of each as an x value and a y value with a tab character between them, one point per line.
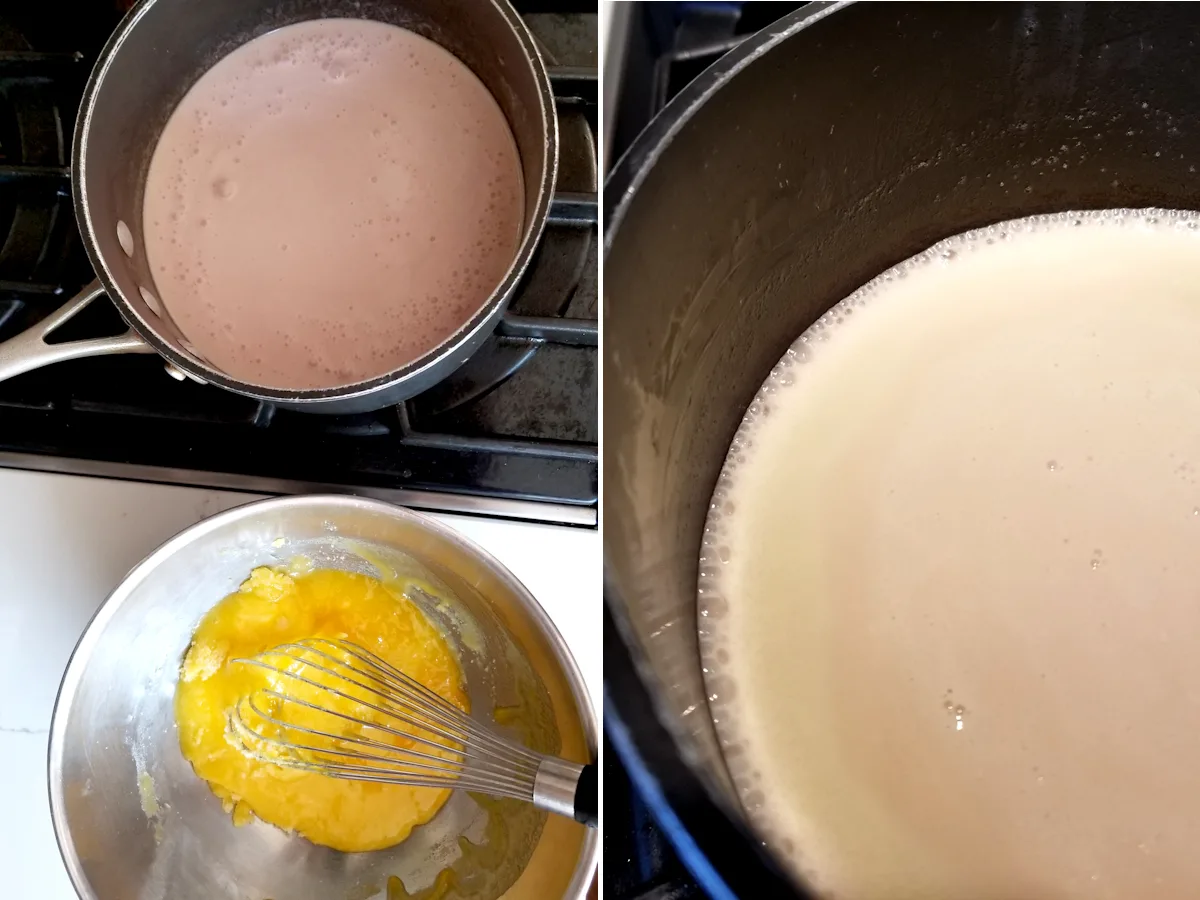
580	879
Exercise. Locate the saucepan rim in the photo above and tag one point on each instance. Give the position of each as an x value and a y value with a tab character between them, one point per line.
458	345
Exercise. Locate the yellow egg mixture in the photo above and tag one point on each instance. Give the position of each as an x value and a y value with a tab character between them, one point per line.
273	608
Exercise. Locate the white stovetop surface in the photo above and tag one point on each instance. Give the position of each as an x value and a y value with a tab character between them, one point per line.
66	541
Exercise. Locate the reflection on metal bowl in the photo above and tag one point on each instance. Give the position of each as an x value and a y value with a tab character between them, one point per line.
134	821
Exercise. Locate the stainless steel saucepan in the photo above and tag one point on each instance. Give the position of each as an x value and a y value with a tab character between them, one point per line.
157	53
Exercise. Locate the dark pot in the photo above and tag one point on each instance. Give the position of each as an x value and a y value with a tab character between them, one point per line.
820	152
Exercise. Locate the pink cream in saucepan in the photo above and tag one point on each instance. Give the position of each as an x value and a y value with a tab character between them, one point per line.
329	202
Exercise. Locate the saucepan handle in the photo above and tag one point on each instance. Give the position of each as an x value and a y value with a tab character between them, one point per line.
29	350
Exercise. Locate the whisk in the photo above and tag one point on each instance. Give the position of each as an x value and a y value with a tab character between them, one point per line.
401	732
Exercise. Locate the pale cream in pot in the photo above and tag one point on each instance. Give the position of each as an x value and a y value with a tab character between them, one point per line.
950	586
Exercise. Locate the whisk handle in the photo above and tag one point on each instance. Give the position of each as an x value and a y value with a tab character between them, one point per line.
586	801
566	788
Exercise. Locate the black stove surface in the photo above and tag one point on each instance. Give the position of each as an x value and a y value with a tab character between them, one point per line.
512	433
668	45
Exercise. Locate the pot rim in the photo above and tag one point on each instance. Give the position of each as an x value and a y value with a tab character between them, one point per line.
710	836
590	848
648	147
461	342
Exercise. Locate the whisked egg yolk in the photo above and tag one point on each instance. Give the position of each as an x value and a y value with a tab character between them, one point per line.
273	608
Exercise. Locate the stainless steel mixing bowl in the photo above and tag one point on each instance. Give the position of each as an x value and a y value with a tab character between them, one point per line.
133	820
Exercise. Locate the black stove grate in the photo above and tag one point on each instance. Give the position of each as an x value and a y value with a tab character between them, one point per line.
513	432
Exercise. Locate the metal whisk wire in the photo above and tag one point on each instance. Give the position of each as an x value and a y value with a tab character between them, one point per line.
497	766
443	747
